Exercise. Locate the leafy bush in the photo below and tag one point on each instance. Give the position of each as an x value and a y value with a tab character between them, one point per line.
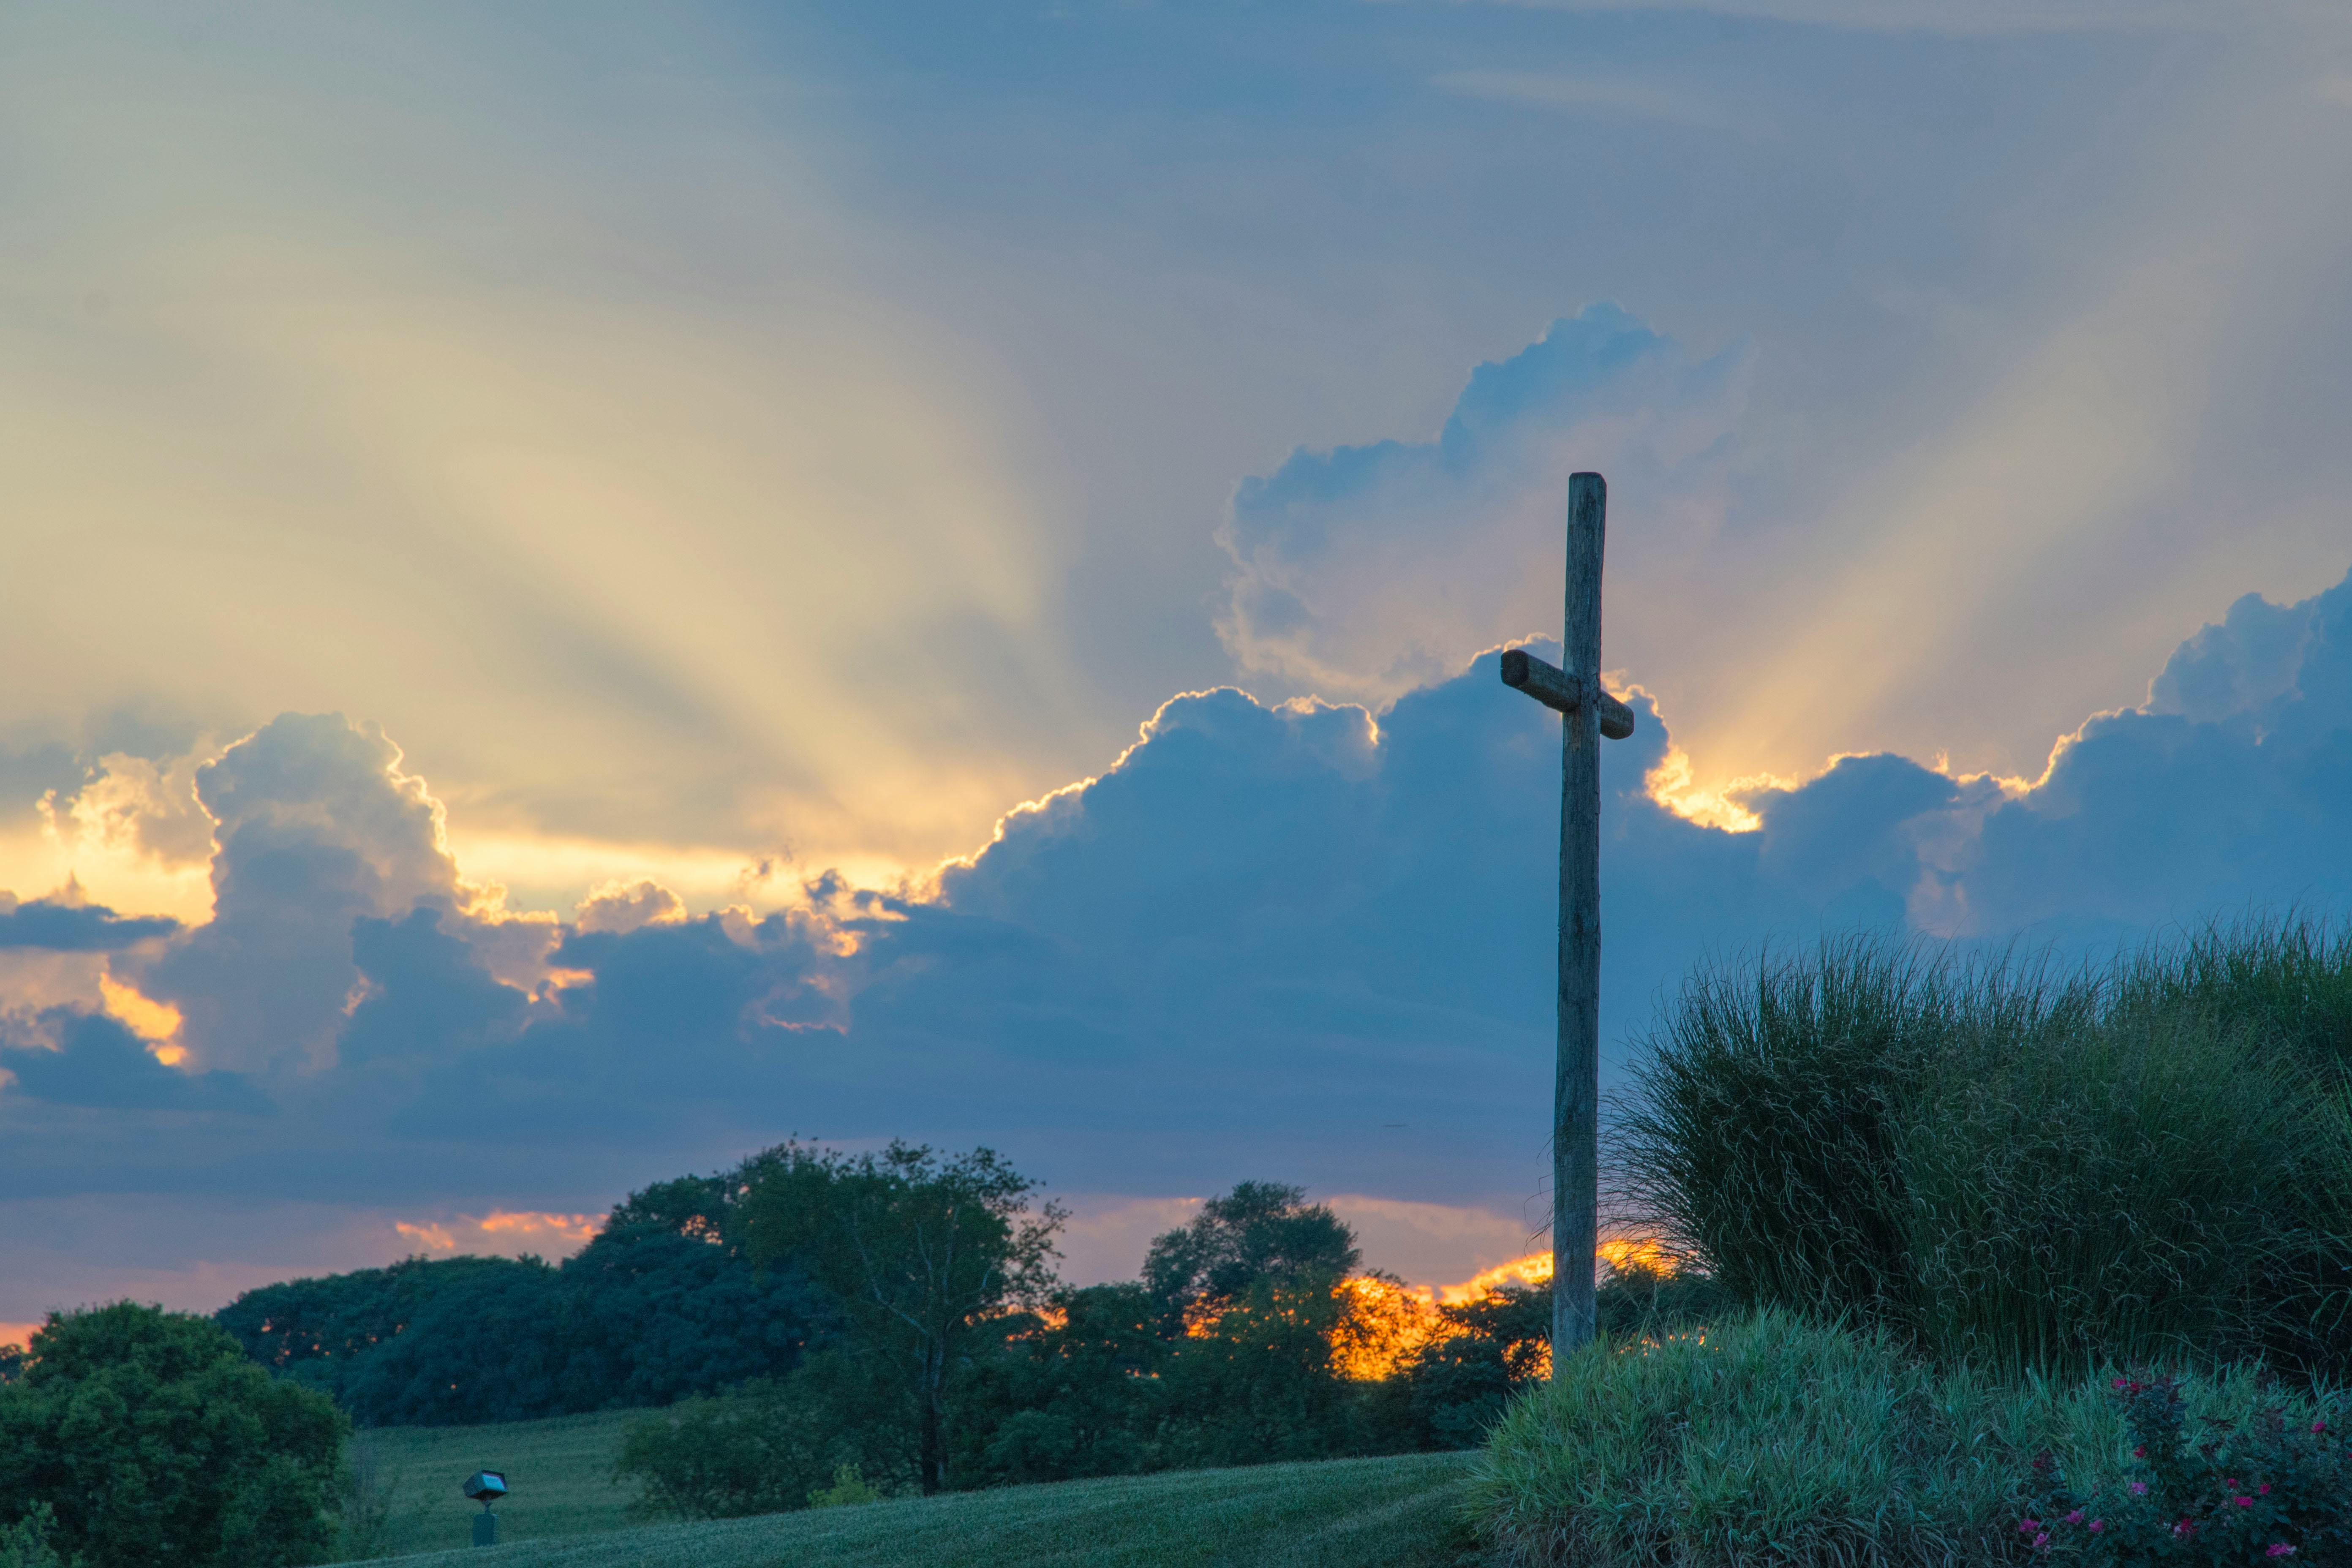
765	1448
2007	1163
849	1489
1771	1437
154	1443
1768	1435
2262	1484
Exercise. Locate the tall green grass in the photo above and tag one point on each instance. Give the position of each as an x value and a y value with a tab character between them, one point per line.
1776	1439
2014	1162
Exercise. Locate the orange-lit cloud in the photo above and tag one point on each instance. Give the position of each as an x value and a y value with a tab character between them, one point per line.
503	1233
157	1023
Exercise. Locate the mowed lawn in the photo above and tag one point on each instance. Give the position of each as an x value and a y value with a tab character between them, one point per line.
560	1470
1402	1512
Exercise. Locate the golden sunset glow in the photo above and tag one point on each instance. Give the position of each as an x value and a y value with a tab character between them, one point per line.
1672	784
1534	1268
157	1023
1385	1323
469	1233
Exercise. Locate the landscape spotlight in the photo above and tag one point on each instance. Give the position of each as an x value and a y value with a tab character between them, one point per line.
486	1486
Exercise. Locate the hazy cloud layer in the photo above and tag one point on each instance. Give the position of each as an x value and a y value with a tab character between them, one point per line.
593	398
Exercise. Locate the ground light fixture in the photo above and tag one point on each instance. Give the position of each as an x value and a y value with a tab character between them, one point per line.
486	1486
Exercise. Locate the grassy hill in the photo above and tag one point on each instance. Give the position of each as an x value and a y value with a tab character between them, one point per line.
566	1513
561	1470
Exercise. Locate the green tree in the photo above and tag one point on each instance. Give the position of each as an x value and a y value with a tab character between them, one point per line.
156	1443
1255	1383
1260	1230
663	1304
920	1249
25	1544
1465	1378
1075	1393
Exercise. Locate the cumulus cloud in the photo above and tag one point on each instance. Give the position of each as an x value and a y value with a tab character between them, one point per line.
625	906
68	1058
60	926
318	828
1365	571
1298	939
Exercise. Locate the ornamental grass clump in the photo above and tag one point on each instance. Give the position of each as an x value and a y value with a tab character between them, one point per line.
1763	1439
2013	1163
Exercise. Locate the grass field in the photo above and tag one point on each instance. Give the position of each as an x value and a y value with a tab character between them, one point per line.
560	1470
1346	1513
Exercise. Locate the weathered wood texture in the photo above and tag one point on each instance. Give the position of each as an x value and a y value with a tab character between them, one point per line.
1587	713
1550	686
1576	1090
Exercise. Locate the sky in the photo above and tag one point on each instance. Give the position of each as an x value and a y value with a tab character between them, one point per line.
590	589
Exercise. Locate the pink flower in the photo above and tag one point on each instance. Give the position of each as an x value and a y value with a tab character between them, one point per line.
2139	1453
2028	1526
2119	1383
2042	1543
2263	1491
2140	1489
2317	1427
2097	1525
2075	1517
2279	1549
2245	1502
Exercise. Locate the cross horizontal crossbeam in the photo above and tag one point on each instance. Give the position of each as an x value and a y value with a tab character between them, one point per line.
1549	685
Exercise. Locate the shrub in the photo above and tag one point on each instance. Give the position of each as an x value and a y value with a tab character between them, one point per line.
154	1443
766	1447
1769	1437
2009	1162
849	1489
2257	1485
1772	1437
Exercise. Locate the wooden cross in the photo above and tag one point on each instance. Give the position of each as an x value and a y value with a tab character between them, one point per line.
1588	713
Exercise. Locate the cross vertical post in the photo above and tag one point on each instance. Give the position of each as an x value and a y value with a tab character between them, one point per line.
1588	714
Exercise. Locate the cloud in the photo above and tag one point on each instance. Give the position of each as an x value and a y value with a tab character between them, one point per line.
618	906
1299	940
93	1061
74	927
1364	572
318	829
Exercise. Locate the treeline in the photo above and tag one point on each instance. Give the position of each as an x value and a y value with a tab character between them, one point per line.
664	1303
1253	1337
894	1316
